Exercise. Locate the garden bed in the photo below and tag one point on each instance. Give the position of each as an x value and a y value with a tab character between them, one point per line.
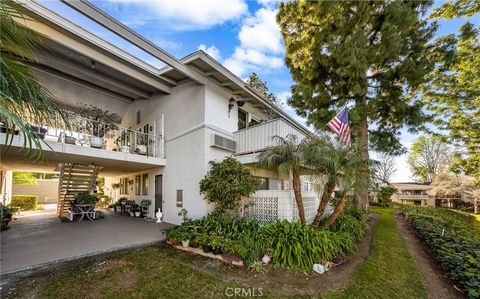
288	245
229	259
455	241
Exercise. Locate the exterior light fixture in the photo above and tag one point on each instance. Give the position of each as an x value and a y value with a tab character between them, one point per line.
231	104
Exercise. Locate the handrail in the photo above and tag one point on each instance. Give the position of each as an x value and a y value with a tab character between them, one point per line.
113	137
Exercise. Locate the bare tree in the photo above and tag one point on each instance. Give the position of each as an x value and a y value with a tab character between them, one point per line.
384	168
429	157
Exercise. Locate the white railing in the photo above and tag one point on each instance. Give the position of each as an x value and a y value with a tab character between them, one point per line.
412	196
91	133
272	205
259	137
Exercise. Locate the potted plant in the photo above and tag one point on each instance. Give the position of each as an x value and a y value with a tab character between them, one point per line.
123	141
5	216
137	211
216	243
143	144
205	241
85	198
99	123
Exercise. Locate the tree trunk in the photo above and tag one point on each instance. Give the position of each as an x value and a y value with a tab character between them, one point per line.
362	143
327	192
298	197
338	210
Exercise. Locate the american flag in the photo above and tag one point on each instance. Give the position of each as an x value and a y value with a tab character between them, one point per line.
339	125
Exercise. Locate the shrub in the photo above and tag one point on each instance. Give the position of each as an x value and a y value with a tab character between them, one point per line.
25	202
226	183
85	198
455	241
292	245
384	196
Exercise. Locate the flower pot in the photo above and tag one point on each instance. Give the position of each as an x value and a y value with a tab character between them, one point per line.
217	251
141	149
132	214
96	142
125	148
186	243
207	248
138	214
194	244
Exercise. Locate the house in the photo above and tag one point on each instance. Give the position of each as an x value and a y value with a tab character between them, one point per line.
413	193
174	120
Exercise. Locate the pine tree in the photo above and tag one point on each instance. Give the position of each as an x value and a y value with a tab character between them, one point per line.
371	55
453	93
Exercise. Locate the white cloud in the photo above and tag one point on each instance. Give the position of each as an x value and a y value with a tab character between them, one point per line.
260	44
212	51
192	15
261	32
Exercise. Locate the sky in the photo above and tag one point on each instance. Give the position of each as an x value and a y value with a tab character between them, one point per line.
242	35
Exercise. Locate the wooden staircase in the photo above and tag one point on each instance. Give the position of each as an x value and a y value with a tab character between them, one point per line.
74	179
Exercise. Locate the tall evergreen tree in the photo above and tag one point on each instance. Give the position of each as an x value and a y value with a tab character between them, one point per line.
453	93
368	54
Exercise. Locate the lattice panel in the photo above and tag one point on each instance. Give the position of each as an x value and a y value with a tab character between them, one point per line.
264	209
310	207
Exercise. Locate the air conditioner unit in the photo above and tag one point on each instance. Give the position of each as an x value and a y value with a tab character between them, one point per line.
223	143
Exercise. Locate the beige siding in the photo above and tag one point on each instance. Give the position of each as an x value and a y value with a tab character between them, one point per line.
47	191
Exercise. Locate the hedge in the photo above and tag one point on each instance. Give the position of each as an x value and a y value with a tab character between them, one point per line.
454	239
25	202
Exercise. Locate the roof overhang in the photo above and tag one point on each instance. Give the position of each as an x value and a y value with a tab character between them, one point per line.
215	71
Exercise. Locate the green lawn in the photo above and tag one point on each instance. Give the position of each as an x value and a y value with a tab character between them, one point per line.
160	271
389	271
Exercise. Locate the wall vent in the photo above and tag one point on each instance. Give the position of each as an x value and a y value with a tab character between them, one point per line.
223	143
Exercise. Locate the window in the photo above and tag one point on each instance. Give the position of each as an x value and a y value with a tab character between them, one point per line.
253	121
138	178
242	119
145	184
124	186
263	184
179	198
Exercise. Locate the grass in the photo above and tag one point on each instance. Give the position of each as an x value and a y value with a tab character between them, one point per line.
160	271
389	271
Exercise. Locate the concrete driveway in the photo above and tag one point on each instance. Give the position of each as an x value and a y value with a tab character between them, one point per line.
38	238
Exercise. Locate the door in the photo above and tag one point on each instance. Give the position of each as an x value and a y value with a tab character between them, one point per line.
158	192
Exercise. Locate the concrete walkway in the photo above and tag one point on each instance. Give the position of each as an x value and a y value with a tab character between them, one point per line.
38	238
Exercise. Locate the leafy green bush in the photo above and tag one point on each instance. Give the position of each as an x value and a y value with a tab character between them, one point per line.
226	183
384	196
25	202
85	198
455	241
291	245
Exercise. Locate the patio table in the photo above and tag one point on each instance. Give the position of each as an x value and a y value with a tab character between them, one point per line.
85	210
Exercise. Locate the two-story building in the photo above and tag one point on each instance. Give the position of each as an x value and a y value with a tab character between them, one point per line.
174	120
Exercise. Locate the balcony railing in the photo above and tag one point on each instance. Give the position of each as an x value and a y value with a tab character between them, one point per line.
259	137
412	196
91	133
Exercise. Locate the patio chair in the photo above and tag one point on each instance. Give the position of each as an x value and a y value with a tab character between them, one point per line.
144	207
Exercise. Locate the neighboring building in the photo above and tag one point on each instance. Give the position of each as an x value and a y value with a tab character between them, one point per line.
413	193
174	121
45	189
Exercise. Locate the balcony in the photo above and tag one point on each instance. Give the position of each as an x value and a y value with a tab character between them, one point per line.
135	150
259	137
412	196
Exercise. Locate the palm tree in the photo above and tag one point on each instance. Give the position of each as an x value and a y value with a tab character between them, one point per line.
22	98
287	157
336	166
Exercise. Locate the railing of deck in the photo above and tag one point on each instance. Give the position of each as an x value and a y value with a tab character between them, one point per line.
259	137
82	132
